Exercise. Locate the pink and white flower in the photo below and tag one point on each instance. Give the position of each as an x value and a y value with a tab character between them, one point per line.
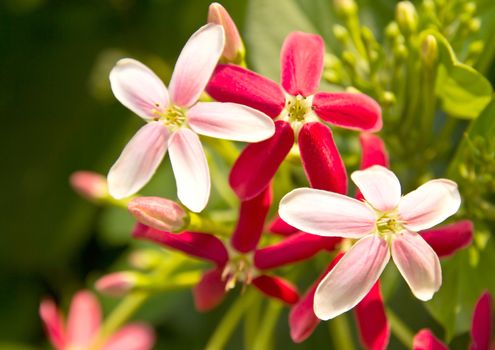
385	225
83	324
174	118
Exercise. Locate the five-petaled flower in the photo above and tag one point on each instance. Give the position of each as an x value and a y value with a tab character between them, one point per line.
385	224
174	118
297	109
83	325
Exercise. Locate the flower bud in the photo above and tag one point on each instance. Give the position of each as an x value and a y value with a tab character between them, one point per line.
341	33
406	17
234	48
159	213
117	284
345	7
429	50
392	30
89	185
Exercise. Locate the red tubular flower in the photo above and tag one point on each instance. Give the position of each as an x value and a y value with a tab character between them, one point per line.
446	240
209	292
280	227
425	340
294	103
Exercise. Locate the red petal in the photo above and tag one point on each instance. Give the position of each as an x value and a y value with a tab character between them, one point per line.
446	240
258	163
372	321
302	319
373	152
348	110
231	83
481	327
302	63
425	340
277	287
210	291
251	221
200	245
280	227
321	159
297	247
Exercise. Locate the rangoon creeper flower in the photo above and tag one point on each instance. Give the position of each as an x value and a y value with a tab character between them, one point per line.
174	118
83	324
234	48
385	224
299	111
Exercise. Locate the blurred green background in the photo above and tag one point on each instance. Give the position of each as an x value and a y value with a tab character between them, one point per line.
58	116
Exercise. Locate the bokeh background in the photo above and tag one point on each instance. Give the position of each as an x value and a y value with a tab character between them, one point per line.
58	116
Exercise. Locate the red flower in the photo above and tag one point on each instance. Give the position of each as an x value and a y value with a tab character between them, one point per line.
298	110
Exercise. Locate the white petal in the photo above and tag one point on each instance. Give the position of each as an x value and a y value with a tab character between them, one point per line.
138	161
196	64
230	121
379	186
190	169
418	263
352	278
326	213
138	88
430	204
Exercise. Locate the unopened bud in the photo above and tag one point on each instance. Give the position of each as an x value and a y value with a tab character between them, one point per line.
429	50
392	30
400	52
406	17
234	48
117	284
89	185
345	7
474	25
476	47
470	8
341	33
160	213
388	99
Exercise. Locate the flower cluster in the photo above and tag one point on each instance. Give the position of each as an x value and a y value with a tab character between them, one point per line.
212	93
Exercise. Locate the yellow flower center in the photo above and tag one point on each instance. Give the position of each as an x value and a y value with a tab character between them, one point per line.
173	117
240	268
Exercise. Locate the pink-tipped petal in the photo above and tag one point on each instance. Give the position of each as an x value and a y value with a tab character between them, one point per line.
373	325
135	336
379	186
138	88
373	151
447	240
297	247
302	63
425	340
230	121
90	185
195	64
430	204
326	213
277	287
138	161
321	159
352	278
258	163
53	322
481	326
84	319
280	227
348	110
190	167
210	291
302	318
252	217
418	264
200	245
231	83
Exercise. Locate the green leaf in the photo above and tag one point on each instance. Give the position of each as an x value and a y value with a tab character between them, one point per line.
465	277
464	92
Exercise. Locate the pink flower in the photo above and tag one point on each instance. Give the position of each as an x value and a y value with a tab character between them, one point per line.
83	324
481	329
174	118
385	224
234	48
240	259
298	110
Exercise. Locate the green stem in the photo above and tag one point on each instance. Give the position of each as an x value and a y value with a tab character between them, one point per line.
400	329
200	223
266	328
340	333
119	316
229	322
226	149
251	322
